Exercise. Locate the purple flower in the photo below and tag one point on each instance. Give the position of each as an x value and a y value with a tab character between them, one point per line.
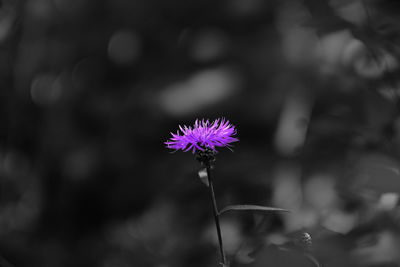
203	134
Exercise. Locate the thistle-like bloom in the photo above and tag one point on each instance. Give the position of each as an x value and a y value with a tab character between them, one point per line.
204	134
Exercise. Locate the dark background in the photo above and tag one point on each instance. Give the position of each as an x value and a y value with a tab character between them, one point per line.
90	90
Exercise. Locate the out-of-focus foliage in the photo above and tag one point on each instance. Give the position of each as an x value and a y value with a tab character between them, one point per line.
90	89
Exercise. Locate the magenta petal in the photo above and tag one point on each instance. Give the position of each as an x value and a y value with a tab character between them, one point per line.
203	134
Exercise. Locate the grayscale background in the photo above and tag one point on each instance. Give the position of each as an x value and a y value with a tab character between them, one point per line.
91	89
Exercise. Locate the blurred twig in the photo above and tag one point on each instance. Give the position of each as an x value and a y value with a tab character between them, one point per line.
389	78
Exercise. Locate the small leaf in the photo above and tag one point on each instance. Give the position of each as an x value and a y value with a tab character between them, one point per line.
203	176
250	208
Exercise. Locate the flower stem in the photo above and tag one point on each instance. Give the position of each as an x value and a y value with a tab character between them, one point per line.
216	215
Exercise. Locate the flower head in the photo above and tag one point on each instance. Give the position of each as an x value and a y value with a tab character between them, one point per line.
204	134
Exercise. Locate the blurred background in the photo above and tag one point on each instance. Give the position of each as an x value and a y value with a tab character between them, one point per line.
90	90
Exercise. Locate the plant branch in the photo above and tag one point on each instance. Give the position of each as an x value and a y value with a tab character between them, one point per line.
216	215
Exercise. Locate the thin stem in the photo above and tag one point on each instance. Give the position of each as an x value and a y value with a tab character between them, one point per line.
216	215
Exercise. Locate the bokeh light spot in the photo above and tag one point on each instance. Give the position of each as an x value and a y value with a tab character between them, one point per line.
46	89
124	47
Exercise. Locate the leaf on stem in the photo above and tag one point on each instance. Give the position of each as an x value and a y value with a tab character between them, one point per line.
203	176
250	208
